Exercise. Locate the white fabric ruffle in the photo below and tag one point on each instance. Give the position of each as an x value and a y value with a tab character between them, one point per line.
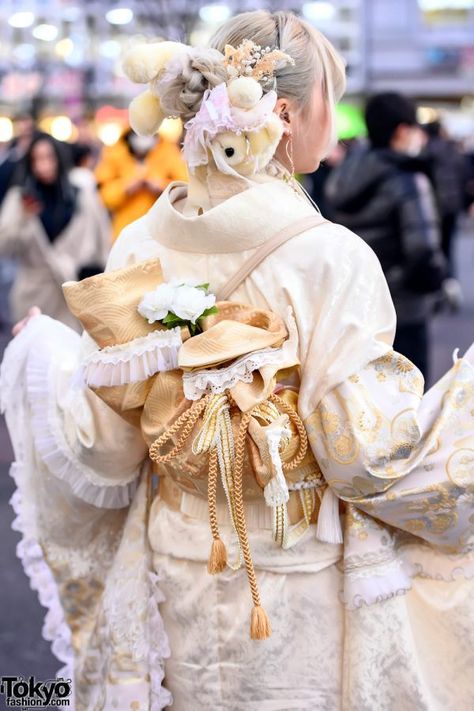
55	628
159	648
27	378
55	452
133	362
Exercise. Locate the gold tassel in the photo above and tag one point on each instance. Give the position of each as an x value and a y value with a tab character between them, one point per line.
260	627
218	557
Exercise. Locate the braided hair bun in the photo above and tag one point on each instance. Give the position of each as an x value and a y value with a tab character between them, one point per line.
186	77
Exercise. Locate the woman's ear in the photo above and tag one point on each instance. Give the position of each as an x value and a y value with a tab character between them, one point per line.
282	110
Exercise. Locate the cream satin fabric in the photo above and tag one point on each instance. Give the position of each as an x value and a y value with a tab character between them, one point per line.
411	652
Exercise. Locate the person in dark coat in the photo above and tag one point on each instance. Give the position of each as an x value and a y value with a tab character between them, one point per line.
382	192
447	170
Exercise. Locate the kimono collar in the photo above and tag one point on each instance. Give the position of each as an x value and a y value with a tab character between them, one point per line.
240	222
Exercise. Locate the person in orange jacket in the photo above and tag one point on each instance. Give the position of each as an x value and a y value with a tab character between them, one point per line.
134	172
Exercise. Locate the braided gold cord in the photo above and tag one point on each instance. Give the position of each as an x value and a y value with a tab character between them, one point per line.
149	492
239	507
186	421
212	493
303	437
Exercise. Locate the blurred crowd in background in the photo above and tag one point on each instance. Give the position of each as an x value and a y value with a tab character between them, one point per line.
401	175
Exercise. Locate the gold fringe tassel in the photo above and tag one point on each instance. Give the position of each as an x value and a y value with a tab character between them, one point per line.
218	556
260	627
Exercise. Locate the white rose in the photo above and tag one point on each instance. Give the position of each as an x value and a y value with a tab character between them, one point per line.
155	304
190	303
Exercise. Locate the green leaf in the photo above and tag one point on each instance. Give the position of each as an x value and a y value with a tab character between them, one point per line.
170	318
204	287
208	312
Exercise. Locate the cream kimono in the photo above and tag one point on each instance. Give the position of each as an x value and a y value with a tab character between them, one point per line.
384	620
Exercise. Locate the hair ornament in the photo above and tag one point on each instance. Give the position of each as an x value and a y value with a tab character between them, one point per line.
228	99
236	125
252	60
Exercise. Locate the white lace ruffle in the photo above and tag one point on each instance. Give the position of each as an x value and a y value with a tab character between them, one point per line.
133	362
55	628
372	583
159	649
54	450
216	380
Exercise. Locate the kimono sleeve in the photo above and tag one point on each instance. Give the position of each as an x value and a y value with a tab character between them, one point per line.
401	456
384	446
81	502
74	434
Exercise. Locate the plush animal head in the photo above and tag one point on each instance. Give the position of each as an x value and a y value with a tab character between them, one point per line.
247	152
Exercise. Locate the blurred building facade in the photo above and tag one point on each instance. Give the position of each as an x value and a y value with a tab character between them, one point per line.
424	49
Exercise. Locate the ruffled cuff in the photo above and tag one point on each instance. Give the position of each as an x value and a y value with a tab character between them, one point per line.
133	362
27	376
371	580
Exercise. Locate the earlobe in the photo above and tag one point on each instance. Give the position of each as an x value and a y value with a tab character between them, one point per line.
285	119
281	109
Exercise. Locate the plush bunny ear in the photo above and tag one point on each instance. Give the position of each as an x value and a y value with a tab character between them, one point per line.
144	60
145	114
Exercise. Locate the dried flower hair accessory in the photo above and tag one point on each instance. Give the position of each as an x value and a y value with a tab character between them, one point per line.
252	60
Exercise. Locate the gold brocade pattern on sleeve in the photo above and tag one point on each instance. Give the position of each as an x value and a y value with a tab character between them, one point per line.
404	458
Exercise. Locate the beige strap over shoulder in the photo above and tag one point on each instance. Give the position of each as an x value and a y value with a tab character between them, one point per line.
296	228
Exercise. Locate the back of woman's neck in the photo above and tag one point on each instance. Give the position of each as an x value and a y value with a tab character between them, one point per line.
209	187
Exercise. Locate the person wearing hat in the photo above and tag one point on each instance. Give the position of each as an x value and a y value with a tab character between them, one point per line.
383	193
